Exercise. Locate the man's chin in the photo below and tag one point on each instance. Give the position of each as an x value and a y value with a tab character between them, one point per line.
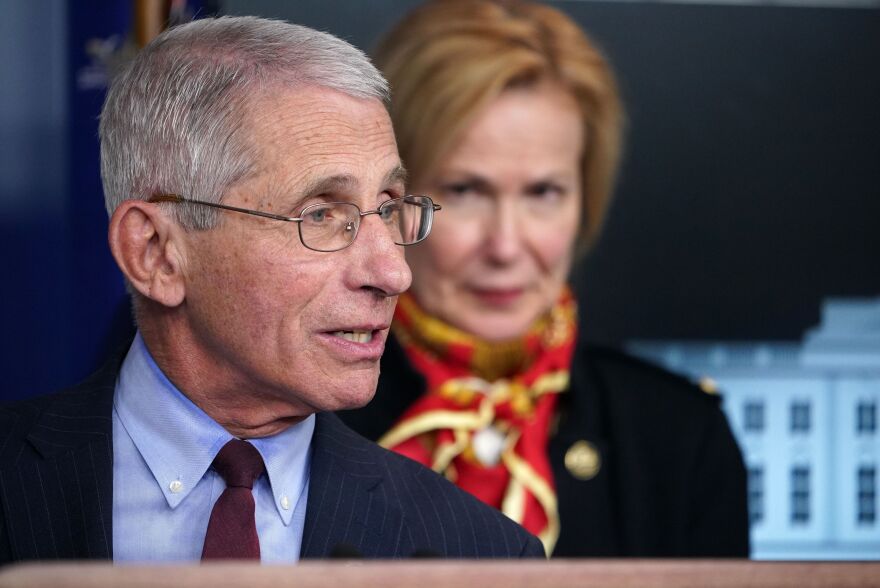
359	392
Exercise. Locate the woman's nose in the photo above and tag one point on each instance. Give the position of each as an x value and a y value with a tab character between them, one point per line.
505	231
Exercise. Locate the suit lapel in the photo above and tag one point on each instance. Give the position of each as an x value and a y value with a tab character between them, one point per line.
59	494
348	508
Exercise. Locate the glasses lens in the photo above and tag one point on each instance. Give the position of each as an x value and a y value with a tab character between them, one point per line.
411	218
329	227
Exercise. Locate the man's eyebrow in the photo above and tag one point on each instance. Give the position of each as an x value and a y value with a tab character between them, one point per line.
396	176
347	183
340	183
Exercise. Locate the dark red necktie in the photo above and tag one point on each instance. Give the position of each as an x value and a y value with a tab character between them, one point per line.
232	529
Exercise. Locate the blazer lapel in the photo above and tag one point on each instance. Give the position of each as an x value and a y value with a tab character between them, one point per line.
348	511
59	494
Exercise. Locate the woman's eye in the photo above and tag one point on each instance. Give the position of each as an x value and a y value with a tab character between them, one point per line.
458	189
546	191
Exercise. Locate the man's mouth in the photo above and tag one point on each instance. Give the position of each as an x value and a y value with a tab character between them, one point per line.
354	336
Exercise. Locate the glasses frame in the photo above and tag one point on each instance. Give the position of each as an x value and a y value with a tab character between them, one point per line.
177	199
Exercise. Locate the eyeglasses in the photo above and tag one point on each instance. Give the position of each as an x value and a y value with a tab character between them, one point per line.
331	226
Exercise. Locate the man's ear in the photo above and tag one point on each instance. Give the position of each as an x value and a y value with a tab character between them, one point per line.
148	249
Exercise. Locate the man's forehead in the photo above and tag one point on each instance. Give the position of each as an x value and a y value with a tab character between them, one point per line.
310	112
322	135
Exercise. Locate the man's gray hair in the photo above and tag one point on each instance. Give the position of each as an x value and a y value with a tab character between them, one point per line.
175	119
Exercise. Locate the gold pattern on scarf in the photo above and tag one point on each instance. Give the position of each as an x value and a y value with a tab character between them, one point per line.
523	478
522	398
559	326
469	421
493	366
465	423
490	360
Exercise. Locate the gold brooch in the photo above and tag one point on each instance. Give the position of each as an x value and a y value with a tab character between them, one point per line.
582	460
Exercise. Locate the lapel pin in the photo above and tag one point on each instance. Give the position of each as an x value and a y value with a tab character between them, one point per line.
582	460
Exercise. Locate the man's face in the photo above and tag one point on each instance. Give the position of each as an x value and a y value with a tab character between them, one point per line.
288	330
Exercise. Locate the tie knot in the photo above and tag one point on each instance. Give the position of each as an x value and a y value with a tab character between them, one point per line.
239	463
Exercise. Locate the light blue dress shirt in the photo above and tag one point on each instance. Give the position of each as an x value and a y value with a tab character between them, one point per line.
163	485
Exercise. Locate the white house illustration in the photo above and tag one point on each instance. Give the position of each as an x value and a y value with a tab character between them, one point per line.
805	415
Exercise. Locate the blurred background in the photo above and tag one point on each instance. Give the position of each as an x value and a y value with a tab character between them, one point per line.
743	248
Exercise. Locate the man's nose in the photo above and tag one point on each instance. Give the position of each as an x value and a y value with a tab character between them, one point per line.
381	265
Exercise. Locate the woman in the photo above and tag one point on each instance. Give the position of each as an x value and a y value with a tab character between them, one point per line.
508	116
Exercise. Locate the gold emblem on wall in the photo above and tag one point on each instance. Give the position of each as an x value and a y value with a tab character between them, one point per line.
582	460
708	385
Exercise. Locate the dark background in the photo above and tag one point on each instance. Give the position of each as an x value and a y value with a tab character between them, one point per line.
750	189
751	185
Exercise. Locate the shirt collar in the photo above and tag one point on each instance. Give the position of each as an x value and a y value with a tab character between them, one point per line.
178	441
287	456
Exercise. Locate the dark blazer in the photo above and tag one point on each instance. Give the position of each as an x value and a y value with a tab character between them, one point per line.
56	490
671	481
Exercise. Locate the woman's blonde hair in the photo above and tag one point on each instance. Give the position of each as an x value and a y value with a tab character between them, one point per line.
448	59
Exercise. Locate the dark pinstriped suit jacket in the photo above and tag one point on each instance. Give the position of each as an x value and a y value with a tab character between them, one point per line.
56	490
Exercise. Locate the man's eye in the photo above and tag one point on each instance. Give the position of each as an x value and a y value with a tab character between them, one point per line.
318	215
389	211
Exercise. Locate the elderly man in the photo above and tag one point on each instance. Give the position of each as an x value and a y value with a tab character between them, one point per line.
257	213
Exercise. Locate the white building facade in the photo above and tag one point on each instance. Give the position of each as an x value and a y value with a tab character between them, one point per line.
806	418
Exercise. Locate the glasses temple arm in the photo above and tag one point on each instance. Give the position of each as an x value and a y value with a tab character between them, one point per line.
180	199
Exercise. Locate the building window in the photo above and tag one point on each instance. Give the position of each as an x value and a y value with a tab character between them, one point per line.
800	417
866	500
753	419
800	494
866	417
756	494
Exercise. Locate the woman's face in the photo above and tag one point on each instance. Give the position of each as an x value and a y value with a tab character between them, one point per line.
501	248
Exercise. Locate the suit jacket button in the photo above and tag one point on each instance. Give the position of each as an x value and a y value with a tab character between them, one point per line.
582	460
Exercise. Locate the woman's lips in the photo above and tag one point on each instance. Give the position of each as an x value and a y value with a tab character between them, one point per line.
498	296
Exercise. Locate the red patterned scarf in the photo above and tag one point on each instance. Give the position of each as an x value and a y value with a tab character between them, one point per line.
485	420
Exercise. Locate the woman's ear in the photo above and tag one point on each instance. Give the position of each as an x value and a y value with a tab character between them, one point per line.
147	247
